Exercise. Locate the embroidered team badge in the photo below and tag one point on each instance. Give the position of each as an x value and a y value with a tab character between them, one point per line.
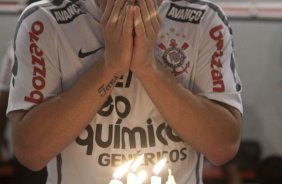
174	57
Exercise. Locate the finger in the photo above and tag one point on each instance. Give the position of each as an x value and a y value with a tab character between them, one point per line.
107	13
128	23
154	15
155	4
145	14
157	9
122	18
118	7
144	11
138	22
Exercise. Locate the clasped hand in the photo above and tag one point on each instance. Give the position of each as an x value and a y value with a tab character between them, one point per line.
130	33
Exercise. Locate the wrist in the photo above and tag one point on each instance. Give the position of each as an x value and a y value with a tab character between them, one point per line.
111	67
146	69
115	66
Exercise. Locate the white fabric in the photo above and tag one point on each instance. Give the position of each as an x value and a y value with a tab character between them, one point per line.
129	124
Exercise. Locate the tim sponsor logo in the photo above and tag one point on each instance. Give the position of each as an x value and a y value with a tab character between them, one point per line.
67	14
185	14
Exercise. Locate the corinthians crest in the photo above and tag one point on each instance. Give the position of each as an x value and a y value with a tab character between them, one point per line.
174	57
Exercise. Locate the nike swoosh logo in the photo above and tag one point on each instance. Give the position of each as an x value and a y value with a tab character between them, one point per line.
85	54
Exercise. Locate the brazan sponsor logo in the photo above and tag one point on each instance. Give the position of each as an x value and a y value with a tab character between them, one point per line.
216	64
117	136
185	14
38	63
67	14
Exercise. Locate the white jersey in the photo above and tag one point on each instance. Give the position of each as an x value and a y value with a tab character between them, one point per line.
57	41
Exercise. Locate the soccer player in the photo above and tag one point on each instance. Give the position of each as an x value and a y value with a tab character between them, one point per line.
98	82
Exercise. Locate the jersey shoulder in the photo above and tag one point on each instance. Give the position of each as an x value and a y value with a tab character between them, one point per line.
201	12
211	9
56	11
202	4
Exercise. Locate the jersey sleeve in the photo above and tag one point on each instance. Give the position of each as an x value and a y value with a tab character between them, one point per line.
36	69
216	75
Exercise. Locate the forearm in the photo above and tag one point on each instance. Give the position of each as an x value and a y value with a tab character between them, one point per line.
54	124
47	129
207	126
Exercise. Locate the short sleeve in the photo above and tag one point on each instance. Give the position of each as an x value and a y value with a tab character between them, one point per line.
36	69
216	74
